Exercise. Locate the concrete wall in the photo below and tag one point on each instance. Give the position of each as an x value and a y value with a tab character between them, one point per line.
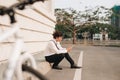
37	26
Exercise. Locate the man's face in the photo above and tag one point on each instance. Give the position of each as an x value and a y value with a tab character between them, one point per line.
59	39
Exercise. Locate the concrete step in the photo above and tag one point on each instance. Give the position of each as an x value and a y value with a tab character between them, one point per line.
42	65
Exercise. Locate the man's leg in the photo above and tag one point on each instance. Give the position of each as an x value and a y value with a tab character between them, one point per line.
55	59
71	61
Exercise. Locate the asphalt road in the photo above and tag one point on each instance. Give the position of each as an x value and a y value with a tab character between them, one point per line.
101	63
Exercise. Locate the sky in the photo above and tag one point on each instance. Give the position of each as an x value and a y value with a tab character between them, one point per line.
80	4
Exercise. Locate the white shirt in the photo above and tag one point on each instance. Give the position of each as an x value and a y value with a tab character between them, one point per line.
52	48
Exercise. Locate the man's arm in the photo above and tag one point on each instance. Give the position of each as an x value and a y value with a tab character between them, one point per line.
53	47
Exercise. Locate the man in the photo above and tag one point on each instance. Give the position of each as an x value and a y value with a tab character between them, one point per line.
55	53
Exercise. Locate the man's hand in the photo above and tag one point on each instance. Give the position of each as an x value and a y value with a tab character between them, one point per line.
69	49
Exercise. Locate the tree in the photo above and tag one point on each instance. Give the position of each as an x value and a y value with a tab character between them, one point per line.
67	18
95	18
73	20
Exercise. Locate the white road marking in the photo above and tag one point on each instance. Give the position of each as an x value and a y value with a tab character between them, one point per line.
78	72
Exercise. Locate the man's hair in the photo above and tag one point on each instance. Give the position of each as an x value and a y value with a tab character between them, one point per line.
57	34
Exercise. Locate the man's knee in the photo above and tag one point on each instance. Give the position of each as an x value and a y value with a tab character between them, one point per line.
61	55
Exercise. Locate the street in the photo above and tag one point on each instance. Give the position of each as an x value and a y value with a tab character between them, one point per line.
101	63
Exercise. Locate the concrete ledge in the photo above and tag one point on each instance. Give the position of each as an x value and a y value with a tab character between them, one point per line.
42	65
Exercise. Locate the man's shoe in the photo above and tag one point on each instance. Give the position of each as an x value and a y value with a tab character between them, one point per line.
75	67
57	67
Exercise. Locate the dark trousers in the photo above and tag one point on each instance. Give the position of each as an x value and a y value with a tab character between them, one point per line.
57	58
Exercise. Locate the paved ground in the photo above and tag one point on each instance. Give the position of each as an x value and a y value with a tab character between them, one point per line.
99	63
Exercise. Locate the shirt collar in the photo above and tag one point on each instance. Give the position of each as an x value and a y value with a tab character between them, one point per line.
56	41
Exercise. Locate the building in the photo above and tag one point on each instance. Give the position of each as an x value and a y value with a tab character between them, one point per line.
115	21
102	36
37	26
